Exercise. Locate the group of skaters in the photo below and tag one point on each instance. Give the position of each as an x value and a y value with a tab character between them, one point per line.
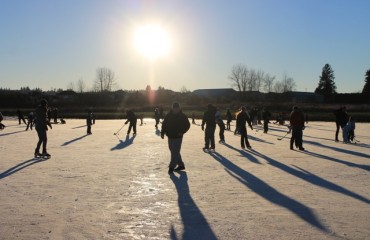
175	124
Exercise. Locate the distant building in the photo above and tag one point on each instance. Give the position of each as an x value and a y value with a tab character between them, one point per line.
215	93
301	97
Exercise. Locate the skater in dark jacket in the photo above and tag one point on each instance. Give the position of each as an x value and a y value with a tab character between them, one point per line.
132	119
221	125
241	121
209	120
229	118
21	117
266	115
2	126
41	125
341	119
30	121
174	126
89	121
157	117
297	126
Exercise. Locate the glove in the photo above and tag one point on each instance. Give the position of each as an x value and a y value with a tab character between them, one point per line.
162	135
202	128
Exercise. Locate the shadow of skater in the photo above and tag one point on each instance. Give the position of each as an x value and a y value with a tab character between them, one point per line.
243	153
123	144
5	134
74	140
195	224
20	166
312	178
354	153
269	193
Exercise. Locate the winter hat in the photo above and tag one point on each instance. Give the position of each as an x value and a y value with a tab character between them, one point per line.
44	102
175	105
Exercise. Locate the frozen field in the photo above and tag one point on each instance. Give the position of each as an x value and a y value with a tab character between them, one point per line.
103	186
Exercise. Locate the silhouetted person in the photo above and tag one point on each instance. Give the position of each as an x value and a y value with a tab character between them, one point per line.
41	125
229	118
193	118
89	121
55	114
132	119
30	121
241	120
2	126
221	125
266	115
349	130
341	119
157	117
297	125
20	117
174	126
49	114
209	120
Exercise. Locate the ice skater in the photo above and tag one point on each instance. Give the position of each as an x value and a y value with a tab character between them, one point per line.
229	118
193	118
41	125
132	119
2	126
89	121
221	125
241	120
21	117
266	115
297	126
349	131
174	126
157	117
30	121
209	120
341	119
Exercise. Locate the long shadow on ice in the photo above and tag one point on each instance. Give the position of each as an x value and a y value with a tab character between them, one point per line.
312	178
74	140
269	193
358	154
355	165
11	133
244	154
123	144
21	166
195	224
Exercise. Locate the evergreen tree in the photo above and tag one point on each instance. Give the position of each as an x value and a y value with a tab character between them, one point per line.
366	90
326	85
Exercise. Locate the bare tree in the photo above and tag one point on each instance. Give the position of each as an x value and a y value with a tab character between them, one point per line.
81	86
278	87
238	77
287	84
105	80
268	82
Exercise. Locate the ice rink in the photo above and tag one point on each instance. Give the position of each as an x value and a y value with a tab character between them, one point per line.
106	186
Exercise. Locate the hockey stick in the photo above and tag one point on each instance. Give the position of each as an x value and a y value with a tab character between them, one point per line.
283	136
116	133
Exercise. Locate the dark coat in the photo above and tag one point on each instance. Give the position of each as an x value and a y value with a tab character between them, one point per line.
297	119
242	119
209	118
175	125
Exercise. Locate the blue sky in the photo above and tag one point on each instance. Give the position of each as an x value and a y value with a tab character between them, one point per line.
50	43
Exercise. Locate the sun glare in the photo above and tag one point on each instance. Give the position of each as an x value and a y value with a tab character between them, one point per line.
152	41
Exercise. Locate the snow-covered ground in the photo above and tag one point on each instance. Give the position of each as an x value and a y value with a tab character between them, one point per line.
103	186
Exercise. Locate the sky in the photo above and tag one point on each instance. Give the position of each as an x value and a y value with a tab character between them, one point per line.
48	44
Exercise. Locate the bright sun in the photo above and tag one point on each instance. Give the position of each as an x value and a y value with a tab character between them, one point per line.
152	41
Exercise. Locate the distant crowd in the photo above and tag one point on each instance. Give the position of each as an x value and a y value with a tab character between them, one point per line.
175	124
